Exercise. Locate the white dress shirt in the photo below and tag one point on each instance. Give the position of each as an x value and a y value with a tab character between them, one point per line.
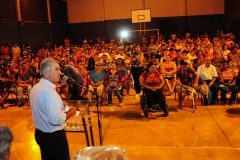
207	73
47	107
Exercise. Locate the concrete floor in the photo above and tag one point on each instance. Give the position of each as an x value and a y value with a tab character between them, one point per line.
211	132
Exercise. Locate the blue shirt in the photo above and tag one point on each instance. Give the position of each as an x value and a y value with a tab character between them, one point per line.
47	107
97	77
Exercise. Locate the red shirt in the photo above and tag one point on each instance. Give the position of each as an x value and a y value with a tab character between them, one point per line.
5	51
151	80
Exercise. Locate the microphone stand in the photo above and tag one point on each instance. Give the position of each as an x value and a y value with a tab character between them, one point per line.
98	109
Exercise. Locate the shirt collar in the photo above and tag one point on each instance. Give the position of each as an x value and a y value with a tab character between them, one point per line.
48	82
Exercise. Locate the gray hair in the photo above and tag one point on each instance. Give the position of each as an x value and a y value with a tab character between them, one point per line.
6	138
46	64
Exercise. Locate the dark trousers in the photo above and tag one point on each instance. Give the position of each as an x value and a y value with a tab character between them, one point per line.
75	91
153	97
214	89
136	72
233	90
53	146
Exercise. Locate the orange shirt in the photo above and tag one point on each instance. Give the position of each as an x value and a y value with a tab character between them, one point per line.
227	75
168	66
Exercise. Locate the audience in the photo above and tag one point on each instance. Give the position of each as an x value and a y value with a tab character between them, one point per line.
95	59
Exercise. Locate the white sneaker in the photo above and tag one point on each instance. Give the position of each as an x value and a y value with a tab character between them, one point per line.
120	105
137	95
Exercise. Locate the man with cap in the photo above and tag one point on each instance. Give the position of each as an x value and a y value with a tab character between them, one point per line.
208	74
184	80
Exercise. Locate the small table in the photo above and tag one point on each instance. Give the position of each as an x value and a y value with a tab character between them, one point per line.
84	109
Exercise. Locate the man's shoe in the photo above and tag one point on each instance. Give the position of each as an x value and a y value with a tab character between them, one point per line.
1	104
21	104
153	108
121	104
180	106
109	104
214	103
158	108
195	107
205	102
230	103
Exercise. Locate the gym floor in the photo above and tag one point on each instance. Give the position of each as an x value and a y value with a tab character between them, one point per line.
211	133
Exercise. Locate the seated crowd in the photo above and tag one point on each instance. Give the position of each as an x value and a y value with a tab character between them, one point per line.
211	64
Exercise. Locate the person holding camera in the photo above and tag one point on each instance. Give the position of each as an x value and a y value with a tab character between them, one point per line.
137	68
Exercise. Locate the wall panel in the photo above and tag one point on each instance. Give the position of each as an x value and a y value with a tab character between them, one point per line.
162	8
121	9
205	7
100	10
58	11
9	32
79	31
34	10
35	33
85	10
8	10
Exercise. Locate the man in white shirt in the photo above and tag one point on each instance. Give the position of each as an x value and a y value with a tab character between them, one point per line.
208	74
15	50
49	115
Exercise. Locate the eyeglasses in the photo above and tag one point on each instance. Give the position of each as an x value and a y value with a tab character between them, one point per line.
97	64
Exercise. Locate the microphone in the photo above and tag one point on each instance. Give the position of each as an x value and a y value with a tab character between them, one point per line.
64	78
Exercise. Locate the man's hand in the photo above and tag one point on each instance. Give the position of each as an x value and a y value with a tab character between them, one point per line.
195	85
64	104
204	83
185	86
231	84
210	84
71	112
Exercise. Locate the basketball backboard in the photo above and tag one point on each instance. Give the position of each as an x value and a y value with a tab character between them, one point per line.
141	15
